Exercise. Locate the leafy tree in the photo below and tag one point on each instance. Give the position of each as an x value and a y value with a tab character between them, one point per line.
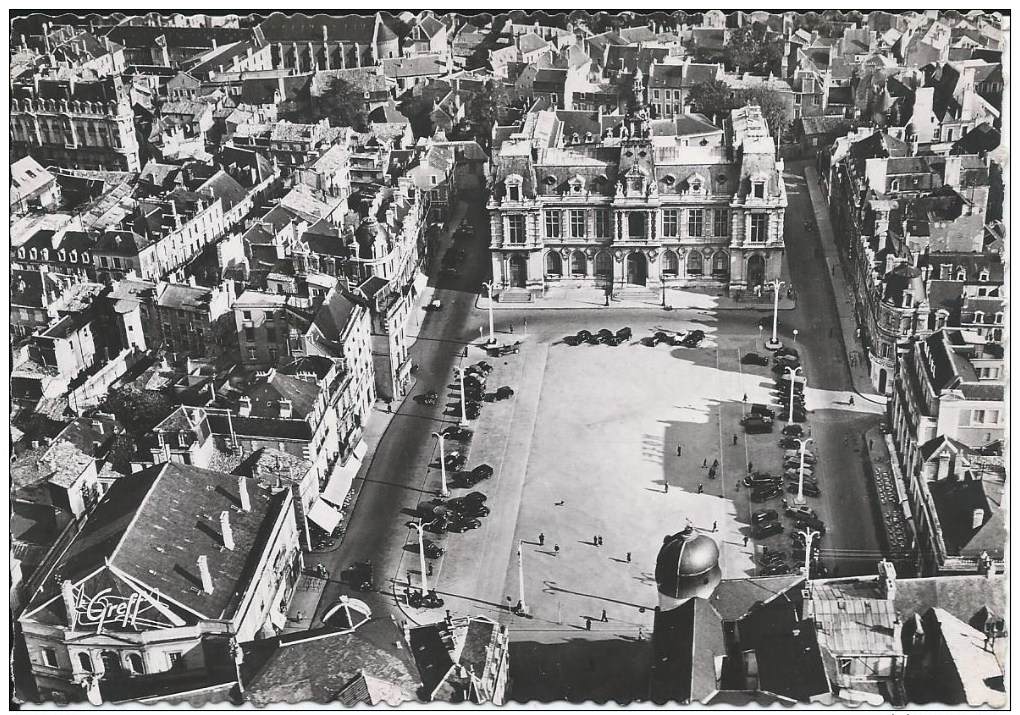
773	107
122	449
996	192
343	104
138	410
713	99
418	109
754	49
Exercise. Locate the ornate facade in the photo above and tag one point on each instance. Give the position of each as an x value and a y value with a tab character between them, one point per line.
648	204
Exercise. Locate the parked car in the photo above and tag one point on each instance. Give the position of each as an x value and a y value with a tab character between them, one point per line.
784	351
770	556
484	367
433	550
461	434
503	349
473	409
784	399
433	306
761	479
693	338
460	525
573	340
763	411
780	367
660	337
584	335
360	576
813	523
475	497
763	494
604	335
475	394
430	397
794	454
455	460
763	515
809	489
754	359
623	334
469	509
482	471
504	393
801	512
783	383
756	425
793	430
763	531
778	568
794	465
746	419
788	442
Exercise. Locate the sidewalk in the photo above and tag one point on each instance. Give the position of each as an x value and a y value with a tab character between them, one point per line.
841	291
687	298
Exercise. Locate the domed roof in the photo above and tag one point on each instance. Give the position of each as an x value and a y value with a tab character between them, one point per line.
902	278
687	565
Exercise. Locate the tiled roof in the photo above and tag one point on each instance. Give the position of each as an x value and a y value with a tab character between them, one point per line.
297	27
266	394
184	297
965	597
144	36
413	66
222	185
687	641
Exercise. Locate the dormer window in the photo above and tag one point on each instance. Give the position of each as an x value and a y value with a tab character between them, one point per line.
894	185
758	189
983	276
33	253
696	183
577	185
906	300
979	316
513	187
945	271
961	274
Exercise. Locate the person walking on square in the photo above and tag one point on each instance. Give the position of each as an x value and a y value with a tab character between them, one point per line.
701	489
541	539
679	450
665	488
715	464
851	400
750	467
715	526
745	540
628	557
511	328
605	618
556	548
587	624
745	397
704	464
595	540
734	439
600	541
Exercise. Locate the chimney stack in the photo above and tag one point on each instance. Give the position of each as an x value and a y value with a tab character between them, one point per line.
242	490
203	569
887	579
244	406
285	409
228	533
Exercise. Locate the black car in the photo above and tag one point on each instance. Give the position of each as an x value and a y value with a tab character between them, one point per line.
801	512
482	471
792	352
771	557
470	509
474	393
473	409
461	434
761	479
573	340
756	425
763	515
763	494
799	415
583	335
360	576
763	531
504	393
789	443
660	337
798	398
809	523
484	367
809	489
793	430
692	339
604	335
780	367
433	550
460	525
623	334
779	568
783	387
430	397
754	359
763	411
455	460
475	498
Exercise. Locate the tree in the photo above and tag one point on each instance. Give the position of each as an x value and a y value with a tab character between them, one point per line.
418	109
343	104
138	410
754	49
773	107
713	99
123	449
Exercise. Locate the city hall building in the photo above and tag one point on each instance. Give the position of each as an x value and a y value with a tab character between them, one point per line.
628	203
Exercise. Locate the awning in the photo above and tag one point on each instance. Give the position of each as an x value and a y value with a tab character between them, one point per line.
341	481
278	619
324	516
359	451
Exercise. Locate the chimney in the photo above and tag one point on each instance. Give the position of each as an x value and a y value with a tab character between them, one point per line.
70	602
242	490
192	282
954	167
203	570
887	579
228	533
281	88
244	406
285	409
214	43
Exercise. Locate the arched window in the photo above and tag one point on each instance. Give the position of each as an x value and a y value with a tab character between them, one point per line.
979	316
998	317
85	662
603	264
720	264
961	274
983	276
894	185
135	663
670	264
695	263
553	263
578	263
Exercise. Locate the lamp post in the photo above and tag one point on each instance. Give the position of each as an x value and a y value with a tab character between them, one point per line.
791	372
463	402
492	330
774	343
795	333
520	574
443	491
800	488
421	554
761	329
809	537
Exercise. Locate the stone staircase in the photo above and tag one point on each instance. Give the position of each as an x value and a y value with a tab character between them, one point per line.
638	293
515	295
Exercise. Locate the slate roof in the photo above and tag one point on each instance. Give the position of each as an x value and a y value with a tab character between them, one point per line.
297	27
184	297
421	66
965	597
687	640
735	597
318	665
266	394
144	36
262	90
956	502
222	185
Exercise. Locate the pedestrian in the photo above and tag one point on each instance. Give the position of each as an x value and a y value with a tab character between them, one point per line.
734	439
595	540
429	570
745	397
628	557
601	541
711	473
851	400
511	328
745	540
738	485
701	489
605	618
750	467
704	464
715	526
465	351
556	548
665	488
640	633
715	464
679	450
587	624
481	331
541	539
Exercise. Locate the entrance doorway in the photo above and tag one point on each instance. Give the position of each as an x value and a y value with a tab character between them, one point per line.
755	271
881	381
112	667
518	271
637	269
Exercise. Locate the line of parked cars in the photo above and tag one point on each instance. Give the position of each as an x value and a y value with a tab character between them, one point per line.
605	336
687	339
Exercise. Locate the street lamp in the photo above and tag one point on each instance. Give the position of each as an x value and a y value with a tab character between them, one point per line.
492	330
795	333
760	329
443	491
791	372
809	537
463	402
800	488
520	574
421	554
774	343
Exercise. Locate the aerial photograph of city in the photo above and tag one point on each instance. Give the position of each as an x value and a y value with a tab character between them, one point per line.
509	359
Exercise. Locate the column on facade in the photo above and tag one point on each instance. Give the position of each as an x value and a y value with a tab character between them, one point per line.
297	56
343	55
357	54
650	224
618	216
313	57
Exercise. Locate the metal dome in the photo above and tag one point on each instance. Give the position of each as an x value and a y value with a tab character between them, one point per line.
687	566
